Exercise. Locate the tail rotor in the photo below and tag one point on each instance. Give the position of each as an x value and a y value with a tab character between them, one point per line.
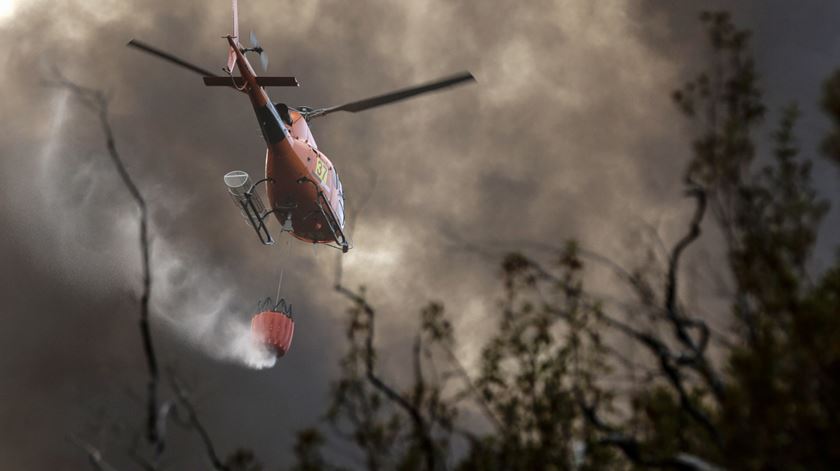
255	47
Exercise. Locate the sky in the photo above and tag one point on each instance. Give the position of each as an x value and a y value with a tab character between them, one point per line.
569	133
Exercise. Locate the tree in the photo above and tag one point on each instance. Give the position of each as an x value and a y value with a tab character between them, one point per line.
545	388
769	401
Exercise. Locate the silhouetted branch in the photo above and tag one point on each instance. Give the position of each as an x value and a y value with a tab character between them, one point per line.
632	448
93	453
681	323
193	420
98	102
419	377
669	363
670	366
421	427
473	389
137	457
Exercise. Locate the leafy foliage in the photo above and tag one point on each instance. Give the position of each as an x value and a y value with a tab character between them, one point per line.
545	383
546	393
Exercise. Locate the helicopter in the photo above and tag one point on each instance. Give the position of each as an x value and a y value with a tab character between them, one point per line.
303	188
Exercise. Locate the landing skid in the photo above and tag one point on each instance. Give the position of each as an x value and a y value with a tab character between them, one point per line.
338	234
335	229
253	210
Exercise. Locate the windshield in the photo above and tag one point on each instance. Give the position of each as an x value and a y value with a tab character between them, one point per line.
340	207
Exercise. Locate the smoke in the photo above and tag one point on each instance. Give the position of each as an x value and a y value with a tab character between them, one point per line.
189	296
570	132
56	125
197	302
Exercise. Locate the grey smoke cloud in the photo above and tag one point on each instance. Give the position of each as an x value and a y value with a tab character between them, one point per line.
190	297
569	133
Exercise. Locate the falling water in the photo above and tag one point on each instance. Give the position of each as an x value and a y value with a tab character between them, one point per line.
185	299
54	133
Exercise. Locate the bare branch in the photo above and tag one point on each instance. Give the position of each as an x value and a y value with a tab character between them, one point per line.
93	453
421	427
472	389
98	102
632	448
681	323
670	366
192	418
137	457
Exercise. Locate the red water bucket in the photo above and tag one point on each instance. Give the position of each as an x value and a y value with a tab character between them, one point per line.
274	329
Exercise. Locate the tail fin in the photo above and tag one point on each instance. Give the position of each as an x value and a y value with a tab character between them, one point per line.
231	62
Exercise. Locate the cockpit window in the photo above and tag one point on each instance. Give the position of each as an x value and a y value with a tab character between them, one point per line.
283	111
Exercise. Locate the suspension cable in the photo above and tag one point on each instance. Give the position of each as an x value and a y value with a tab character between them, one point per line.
282	269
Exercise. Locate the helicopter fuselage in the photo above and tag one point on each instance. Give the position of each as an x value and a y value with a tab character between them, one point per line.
302	185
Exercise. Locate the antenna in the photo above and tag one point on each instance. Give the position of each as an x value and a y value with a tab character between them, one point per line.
231	61
235	21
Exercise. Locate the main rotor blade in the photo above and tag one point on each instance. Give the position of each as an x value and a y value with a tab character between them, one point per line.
168	57
373	102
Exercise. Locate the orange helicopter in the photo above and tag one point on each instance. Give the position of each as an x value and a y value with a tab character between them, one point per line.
303	188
